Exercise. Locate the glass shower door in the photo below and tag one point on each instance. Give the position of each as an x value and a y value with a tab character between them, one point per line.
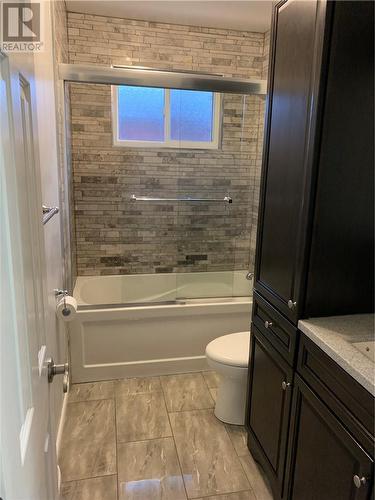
120	171
165	190
213	236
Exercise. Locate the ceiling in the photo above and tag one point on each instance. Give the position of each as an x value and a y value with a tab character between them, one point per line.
248	15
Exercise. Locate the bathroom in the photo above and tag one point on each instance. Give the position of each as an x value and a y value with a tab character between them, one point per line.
192	314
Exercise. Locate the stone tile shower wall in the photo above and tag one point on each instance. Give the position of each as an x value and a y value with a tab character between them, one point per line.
117	236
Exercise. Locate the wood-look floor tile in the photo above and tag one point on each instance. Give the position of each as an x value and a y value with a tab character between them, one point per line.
89	445
141	385
186	392
257	480
208	460
97	488
149	470
212	379
91	391
141	416
238	436
241	495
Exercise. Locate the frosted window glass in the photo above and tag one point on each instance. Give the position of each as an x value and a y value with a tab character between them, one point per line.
140	114
191	115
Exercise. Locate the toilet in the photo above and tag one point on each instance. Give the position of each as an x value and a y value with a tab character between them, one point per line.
229	357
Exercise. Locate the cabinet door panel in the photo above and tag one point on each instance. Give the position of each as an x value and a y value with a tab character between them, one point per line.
324	457
269	406
284	159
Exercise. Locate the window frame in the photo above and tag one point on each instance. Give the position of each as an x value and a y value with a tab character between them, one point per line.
168	143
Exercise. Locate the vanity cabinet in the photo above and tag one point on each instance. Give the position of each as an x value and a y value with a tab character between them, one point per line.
325	460
315	231
270	382
311	427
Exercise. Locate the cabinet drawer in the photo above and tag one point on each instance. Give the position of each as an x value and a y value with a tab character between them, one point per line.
354	405
277	329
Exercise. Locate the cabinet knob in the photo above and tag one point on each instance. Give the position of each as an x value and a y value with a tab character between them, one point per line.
291	304
359	481
267	324
285	385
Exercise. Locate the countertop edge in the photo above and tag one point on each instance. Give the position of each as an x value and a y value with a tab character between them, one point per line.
307	329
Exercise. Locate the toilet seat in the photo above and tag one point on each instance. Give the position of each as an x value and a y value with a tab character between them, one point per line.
231	349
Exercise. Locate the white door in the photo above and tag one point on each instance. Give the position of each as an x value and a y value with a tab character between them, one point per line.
26	456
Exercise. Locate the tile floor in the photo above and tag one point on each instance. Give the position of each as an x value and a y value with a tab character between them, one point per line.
154	439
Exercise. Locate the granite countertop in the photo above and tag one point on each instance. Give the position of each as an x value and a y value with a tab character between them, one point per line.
341	337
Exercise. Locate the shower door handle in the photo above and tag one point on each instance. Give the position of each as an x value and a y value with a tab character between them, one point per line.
226	199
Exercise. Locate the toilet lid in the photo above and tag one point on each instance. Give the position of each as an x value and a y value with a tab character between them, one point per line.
232	349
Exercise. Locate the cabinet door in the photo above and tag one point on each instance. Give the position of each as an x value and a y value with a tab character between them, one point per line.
283	198
268	408
323	457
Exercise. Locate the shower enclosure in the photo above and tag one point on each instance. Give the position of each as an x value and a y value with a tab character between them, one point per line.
165	192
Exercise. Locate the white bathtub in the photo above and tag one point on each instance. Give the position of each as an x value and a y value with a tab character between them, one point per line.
110	339
161	287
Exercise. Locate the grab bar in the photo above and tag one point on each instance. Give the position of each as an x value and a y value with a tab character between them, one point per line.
48	213
226	199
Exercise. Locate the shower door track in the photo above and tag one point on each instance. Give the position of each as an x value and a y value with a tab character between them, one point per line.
150	77
177	302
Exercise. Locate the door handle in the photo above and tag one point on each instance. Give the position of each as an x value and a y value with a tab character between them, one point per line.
62	369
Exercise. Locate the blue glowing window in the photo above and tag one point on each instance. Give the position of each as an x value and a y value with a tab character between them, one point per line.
191	115
145	116
140	114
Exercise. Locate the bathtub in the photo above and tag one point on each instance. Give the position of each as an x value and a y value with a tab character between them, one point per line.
132	326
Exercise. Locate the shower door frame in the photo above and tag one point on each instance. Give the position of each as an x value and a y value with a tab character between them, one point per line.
142	77
150	77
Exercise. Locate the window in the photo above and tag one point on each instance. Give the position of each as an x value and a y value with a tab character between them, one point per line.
156	117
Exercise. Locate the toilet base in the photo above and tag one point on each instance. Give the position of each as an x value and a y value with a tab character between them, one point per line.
231	398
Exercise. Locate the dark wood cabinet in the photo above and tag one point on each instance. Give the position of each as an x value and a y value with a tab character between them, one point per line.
341	257
324	459
284	166
311	429
269	408
337	389
315	247
278	330
315	234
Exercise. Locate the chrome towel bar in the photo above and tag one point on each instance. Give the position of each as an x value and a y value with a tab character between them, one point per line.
226	199
48	213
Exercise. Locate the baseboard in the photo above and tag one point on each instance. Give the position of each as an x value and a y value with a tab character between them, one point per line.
61	425
151	368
